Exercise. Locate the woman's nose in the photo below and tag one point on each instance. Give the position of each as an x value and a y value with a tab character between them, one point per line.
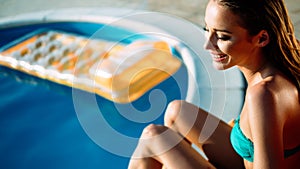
210	43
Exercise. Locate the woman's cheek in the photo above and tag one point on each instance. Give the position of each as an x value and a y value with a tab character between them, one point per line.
223	47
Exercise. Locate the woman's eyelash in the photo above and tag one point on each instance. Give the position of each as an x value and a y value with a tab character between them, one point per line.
218	37
205	29
223	37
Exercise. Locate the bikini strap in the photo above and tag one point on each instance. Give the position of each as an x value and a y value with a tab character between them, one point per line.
291	152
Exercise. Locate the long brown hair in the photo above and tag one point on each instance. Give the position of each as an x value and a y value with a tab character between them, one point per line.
271	15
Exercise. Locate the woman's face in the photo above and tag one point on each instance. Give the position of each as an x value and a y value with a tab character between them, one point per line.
228	43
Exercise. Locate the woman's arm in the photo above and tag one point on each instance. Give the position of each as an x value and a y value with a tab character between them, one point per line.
266	125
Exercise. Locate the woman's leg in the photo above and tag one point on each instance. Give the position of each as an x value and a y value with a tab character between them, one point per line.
160	145
204	130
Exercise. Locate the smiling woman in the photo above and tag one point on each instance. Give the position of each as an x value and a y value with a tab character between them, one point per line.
229	43
258	38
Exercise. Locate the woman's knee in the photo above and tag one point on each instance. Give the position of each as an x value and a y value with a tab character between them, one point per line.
145	145
154	139
172	112
153	130
180	113
157	139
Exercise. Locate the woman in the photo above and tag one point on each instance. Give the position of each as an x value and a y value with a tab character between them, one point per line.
257	36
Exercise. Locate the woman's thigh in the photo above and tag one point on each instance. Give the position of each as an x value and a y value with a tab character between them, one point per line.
206	131
160	144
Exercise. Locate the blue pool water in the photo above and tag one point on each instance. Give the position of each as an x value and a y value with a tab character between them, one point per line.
39	127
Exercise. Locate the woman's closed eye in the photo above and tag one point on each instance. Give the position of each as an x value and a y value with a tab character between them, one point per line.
223	37
218	36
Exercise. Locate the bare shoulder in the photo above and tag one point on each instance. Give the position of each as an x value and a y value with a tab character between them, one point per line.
275	92
261	98
272	97
262	92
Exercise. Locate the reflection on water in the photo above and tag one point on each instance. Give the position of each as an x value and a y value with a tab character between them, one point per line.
39	127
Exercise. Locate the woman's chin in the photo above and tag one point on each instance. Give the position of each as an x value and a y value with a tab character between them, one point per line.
219	66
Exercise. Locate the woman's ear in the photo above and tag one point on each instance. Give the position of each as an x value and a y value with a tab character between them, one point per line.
263	38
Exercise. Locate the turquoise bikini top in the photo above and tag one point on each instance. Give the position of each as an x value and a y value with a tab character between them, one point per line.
241	144
244	146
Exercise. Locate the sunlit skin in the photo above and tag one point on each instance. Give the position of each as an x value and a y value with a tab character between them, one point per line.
270	116
228	40
271	98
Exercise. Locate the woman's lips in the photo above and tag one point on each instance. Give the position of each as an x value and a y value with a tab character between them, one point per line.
218	57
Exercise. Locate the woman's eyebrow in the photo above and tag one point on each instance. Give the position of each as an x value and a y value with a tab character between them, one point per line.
222	30
218	30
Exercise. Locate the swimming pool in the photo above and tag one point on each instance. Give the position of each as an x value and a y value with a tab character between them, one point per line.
47	125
